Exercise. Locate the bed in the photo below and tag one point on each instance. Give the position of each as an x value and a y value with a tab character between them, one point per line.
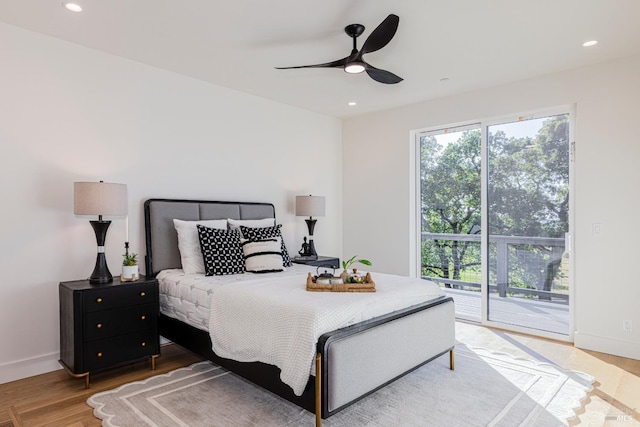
348	364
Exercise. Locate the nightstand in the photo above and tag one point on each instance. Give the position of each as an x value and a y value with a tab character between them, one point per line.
321	261
107	325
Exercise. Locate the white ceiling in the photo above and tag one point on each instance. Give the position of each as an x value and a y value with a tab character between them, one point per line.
237	43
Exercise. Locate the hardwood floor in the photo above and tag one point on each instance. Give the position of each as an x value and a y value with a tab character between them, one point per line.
56	399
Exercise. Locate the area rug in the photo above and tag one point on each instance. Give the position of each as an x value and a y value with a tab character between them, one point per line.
485	389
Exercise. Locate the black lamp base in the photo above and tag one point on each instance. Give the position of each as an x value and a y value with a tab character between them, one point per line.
101	273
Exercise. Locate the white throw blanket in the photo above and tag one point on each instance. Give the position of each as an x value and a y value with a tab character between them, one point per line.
274	320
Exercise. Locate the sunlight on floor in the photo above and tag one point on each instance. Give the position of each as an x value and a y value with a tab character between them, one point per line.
615	399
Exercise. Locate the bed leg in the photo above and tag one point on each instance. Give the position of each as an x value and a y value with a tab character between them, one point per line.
452	364
318	390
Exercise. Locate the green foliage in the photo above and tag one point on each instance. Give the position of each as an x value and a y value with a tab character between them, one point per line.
528	182
450	188
528	195
347	263
450	184
130	260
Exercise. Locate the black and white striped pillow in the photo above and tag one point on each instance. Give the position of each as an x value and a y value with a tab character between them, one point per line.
221	251
262	256
268	233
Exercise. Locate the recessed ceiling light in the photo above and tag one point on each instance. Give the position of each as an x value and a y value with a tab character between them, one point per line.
590	43
352	104
73	7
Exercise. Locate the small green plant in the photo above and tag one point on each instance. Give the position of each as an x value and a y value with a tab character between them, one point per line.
130	260
354	259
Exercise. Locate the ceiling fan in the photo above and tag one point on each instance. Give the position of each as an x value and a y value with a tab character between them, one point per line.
354	63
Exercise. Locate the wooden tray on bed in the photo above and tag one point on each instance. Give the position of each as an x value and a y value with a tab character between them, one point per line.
367	286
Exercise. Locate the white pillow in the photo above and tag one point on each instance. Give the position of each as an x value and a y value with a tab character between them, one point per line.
189	243
251	223
262	256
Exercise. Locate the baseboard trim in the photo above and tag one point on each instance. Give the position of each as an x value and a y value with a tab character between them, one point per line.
19	369
607	345
25	368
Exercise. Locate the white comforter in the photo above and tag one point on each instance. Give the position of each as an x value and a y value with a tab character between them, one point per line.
273	319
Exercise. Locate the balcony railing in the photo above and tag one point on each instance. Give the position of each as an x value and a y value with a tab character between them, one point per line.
554	247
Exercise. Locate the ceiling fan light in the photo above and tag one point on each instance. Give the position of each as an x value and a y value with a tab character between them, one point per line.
354	67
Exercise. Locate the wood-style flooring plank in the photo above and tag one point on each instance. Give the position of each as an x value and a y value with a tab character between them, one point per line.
57	399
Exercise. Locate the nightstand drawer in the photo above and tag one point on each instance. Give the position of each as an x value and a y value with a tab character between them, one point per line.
109	323
125	295
112	351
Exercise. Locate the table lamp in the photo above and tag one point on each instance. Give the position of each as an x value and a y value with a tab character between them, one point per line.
310	206
100	198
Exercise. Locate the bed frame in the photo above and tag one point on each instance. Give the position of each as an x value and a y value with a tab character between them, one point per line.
351	362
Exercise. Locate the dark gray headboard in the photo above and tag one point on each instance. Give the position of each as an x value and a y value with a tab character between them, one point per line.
161	236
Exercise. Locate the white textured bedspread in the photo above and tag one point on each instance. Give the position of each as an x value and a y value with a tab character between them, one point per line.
273	319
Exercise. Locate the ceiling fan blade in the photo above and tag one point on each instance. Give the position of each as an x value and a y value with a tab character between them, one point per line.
382	35
382	76
338	63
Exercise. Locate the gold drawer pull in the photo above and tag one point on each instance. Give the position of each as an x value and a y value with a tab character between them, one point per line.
143	317
99	325
98	300
144	344
142	294
99	354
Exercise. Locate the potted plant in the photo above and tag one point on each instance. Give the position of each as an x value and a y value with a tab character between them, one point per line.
130	267
354	277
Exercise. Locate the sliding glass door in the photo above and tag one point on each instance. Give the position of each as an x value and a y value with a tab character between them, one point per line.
528	220
494	209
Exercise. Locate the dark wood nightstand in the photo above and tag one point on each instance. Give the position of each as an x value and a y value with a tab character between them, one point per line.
103	326
322	261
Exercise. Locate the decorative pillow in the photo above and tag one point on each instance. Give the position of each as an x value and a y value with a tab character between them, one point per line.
221	251
268	233
189	244
252	223
262	256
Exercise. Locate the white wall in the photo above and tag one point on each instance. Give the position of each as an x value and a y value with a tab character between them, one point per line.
377	207
68	113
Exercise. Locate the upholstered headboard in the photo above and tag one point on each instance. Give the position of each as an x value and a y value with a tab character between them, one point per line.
161	236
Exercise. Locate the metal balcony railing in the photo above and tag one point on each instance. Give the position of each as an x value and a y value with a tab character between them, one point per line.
500	263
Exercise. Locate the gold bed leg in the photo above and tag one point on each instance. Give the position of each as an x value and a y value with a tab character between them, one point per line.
318	390
452	363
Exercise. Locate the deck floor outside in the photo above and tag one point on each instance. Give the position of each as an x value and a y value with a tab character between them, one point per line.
524	312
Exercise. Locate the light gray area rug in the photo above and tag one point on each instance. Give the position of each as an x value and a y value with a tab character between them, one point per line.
485	389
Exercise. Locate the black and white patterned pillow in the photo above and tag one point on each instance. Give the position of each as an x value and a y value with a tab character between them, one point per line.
268	233
262	256
221	251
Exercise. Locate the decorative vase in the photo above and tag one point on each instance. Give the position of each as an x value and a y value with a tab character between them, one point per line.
130	272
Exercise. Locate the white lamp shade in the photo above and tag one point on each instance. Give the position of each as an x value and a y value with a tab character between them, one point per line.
99	198
309	205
